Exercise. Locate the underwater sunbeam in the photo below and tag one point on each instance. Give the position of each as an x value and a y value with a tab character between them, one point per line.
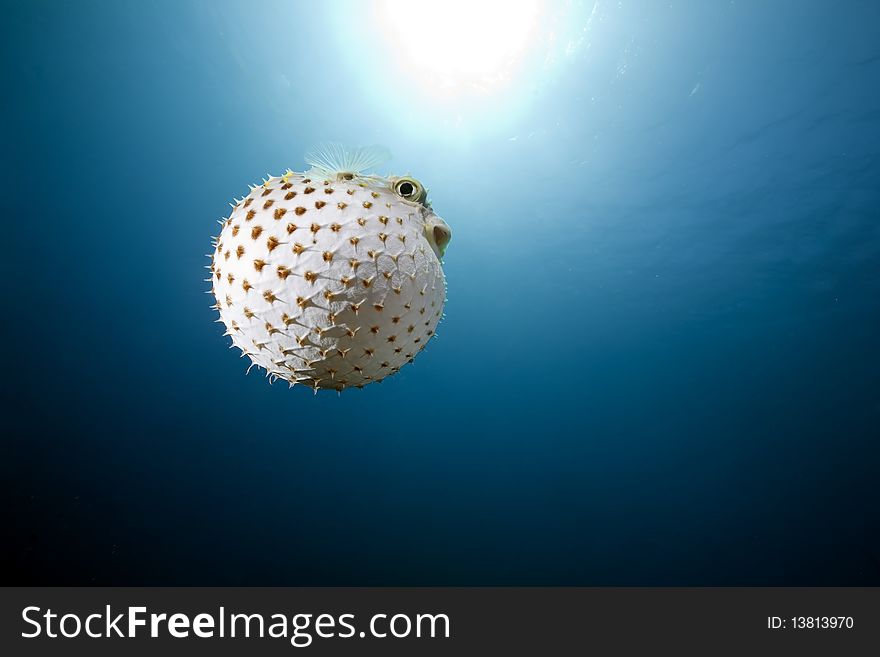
456	46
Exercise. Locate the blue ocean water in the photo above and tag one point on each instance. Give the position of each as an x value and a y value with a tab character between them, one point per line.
659	363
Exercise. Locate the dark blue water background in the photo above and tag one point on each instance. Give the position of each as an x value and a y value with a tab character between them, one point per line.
659	363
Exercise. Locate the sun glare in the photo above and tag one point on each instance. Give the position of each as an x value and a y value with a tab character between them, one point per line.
455	46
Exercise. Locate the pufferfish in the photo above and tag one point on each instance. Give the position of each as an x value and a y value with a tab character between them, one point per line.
331	278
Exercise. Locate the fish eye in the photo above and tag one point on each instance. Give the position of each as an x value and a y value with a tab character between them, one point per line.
410	189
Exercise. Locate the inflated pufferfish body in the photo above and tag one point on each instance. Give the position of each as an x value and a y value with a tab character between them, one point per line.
331	278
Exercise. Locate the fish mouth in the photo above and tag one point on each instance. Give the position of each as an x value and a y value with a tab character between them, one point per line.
438	233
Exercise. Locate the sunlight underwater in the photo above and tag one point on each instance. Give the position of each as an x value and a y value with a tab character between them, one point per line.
459	67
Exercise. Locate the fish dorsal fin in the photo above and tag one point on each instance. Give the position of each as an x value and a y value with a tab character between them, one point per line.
331	158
